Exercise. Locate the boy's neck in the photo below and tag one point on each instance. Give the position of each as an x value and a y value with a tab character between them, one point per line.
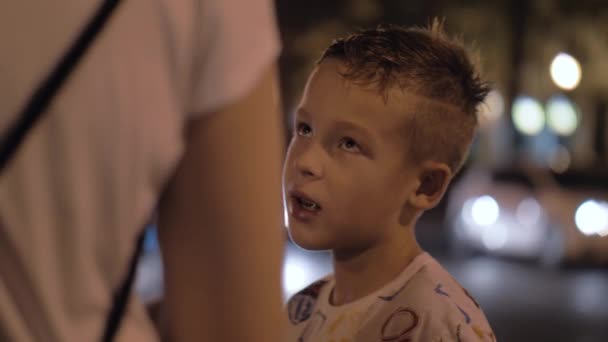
359	274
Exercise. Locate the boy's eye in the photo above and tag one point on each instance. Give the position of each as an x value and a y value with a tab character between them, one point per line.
303	129
349	144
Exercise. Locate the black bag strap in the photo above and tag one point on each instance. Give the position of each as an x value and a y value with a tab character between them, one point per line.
121	297
33	111
45	92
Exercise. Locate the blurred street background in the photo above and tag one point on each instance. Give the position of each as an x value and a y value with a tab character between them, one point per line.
525	226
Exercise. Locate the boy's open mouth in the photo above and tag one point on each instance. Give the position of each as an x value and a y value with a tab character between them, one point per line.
307	204
304	202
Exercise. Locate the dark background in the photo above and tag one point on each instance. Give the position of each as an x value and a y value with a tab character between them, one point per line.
516	41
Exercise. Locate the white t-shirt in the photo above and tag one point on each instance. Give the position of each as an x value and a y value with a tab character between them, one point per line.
84	182
424	303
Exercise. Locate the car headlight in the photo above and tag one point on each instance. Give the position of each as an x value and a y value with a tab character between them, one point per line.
591	218
495	237
485	211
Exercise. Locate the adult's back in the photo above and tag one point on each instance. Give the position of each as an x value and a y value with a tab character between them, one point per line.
148	111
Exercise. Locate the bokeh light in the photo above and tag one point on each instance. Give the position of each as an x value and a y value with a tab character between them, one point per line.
528	115
592	218
528	212
492	109
485	211
296	275
562	116
560	160
565	71
495	237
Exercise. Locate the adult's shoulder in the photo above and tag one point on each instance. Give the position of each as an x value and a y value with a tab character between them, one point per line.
236	41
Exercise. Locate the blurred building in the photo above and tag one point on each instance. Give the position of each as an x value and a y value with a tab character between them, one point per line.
518	42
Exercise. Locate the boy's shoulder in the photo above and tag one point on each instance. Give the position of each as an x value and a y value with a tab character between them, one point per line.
301	305
435	306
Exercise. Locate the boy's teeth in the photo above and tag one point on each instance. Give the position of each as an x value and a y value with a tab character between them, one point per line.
309	205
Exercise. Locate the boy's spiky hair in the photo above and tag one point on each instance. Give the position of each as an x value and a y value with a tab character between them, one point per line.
424	62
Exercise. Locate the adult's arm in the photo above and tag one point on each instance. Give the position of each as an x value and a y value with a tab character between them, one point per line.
220	224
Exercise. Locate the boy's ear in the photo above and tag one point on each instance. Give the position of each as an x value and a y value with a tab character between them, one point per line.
434	179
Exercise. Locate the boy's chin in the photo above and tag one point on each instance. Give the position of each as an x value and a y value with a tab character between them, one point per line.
309	243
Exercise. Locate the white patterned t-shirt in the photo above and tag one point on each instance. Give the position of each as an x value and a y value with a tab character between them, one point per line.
424	303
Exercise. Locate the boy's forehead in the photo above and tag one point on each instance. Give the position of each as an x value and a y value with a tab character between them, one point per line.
327	79
330	99
326	90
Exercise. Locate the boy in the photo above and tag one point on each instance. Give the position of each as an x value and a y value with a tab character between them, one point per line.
385	122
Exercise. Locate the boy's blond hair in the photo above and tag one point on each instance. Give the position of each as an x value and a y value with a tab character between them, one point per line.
427	63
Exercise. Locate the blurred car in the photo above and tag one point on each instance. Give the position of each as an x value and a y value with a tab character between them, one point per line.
530	213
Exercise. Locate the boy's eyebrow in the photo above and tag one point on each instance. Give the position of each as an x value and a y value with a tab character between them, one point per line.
302	112
342	124
347	125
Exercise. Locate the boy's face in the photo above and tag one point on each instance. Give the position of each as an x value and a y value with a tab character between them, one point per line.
346	180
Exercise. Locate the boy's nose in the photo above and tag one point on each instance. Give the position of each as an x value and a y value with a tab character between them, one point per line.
308	165
307	172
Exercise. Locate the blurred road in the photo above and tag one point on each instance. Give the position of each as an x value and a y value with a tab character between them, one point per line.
526	303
